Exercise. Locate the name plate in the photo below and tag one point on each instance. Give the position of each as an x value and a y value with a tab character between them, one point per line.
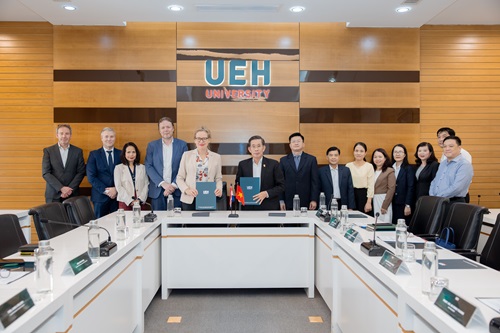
353	236
456	307
14	308
80	263
393	264
320	212
334	222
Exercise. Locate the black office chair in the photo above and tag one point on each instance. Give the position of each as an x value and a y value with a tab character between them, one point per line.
221	203
491	252
428	216
11	237
79	209
53	211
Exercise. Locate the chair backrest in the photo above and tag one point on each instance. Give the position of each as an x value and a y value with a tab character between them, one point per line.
466	220
79	210
221	203
53	211
428	215
11	236
491	252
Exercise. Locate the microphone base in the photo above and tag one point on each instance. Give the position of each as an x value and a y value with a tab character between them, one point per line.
150	217
372	250
233	215
107	248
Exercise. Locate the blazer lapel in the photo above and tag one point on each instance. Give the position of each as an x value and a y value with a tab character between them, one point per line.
58	156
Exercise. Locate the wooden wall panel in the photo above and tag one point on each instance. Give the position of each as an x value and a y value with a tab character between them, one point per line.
138	46
114	94
359	95
237	35
460	85
333	46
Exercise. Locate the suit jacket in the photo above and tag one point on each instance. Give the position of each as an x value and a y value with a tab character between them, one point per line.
186	177
304	181
272	181
405	186
154	164
386	183
423	184
345	184
56	175
125	186
98	173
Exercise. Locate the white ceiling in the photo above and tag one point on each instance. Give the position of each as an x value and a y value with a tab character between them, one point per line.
358	13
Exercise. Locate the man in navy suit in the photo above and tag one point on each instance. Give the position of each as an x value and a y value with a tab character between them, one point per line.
272	183
100	173
301	175
163	157
337	180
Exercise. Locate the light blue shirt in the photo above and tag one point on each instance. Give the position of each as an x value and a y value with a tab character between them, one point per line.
453	178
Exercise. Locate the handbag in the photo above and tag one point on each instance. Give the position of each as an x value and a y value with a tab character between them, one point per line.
446	238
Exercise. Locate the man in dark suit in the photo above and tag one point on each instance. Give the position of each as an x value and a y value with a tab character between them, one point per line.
272	183
63	167
301	175
163	157
100	173
337	180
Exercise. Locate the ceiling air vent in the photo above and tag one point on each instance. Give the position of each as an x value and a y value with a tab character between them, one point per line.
238	8
410	2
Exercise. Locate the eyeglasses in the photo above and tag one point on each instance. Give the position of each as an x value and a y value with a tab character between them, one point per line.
399	152
201	139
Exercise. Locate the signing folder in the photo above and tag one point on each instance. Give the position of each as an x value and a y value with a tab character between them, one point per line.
250	187
205	200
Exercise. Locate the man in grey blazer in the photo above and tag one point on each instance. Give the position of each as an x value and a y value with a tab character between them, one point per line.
63	167
163	157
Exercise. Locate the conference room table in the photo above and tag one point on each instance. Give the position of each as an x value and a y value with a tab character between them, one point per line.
255	250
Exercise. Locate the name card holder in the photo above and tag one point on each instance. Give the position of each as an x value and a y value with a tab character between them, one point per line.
353	236
457	308
394	264
334	222
78	264
14	308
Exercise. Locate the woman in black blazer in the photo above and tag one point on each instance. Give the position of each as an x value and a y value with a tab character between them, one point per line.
427	166
402	202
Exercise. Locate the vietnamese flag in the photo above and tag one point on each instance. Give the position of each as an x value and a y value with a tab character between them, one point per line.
239	195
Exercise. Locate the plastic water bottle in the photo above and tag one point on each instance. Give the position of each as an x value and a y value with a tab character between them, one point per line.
136	222
170	206
344	215
322	201
334	208
94	241
401	237
296	206
43	267
429	266
121	225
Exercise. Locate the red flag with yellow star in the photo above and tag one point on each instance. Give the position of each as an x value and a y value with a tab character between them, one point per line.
239	195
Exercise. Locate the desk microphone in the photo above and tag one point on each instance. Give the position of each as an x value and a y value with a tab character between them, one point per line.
371	248
106	248
149	217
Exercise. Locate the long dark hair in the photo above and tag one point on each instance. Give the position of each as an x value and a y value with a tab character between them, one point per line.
432	157
387	162
405	160
123	159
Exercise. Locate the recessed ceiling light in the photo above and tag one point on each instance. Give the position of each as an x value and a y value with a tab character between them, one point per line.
175	8
403	9
297	9
69	7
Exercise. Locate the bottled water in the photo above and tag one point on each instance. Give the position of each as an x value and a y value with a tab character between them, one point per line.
43	268
429	266
94	241
170	206
136	222
401	237
121	225
296	206
334	208
322	201
344	215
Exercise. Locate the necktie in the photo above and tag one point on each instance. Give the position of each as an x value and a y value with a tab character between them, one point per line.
110	160
297	161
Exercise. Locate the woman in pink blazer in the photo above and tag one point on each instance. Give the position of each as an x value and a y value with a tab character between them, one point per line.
131	180
198	165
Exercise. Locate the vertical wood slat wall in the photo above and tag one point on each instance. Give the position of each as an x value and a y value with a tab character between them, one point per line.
459	88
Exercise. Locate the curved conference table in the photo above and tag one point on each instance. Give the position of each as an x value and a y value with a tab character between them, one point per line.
254	251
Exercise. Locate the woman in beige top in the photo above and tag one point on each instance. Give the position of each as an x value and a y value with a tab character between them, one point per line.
385	185
198	165
362	178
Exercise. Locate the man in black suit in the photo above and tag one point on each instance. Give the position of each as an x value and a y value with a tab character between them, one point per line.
100	172
272	183
63	167
301	175
337	180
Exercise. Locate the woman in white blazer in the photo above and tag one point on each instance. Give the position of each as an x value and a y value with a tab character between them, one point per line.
131	180
198	165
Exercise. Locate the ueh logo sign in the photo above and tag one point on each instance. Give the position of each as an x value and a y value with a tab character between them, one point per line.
238	73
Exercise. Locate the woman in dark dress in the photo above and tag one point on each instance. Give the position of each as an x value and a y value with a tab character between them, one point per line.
426	169
403	200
